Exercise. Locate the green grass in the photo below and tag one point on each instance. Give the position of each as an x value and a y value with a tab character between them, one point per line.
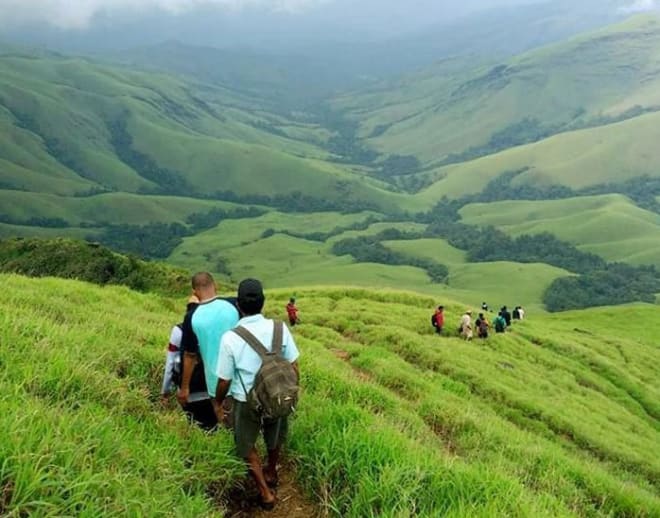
610	226
435	249
613	153
283	260
116	208
60	118
557	418
434	114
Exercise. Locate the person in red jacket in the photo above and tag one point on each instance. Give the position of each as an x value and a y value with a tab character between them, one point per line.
292	312
438	319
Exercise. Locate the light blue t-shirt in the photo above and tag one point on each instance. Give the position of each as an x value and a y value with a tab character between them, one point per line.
236	356
210	321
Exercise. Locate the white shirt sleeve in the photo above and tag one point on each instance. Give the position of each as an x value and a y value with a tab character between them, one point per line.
226	364
289	349
175	336
175	340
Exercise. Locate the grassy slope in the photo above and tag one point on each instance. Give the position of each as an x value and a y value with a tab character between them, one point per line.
283	260
577	159
115	208
214	138
610	226
558	418
434	114
499	283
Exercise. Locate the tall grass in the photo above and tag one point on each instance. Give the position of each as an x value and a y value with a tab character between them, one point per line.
394	421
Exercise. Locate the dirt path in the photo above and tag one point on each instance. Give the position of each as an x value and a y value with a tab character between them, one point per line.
291	503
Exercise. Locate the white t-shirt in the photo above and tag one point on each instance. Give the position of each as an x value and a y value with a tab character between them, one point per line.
237	357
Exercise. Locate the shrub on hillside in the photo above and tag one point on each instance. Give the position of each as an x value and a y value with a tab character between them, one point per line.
88	262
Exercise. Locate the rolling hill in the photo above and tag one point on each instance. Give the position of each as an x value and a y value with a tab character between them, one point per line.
73	128
610	225
592	80
558	417
219	177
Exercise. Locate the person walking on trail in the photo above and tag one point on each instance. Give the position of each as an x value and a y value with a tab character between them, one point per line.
199	407
521	313
506	315
484	307
500	323
202	330
482	326
246	353
516	313
466	325
438	319
292	312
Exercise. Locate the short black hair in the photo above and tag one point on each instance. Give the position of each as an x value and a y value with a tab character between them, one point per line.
202	280
250	297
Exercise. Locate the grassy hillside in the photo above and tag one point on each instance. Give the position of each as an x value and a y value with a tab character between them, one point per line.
289	257
69	259
557	418
591	80
578	159
610	226
72	127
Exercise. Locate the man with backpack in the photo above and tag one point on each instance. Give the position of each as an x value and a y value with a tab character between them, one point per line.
203	328
483	326
500	323
258	364
199	407
438	319
506	315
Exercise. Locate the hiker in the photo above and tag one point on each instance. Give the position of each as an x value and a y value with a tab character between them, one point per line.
203	328
292	312
173	358
506	315
466	325
484	307
521	313
482	326
199	407
500	323
438	319
240	371
516	313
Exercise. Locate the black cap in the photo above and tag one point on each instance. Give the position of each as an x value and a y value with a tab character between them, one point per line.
250	289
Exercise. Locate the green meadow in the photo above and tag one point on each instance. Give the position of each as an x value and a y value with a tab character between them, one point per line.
239	248
451	109
558	417
610	226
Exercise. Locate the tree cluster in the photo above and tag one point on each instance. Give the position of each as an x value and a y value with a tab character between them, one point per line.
371	250
71	259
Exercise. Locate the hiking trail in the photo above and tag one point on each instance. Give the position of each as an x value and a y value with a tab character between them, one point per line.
242	500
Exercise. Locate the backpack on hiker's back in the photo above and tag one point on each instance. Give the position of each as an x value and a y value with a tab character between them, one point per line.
500	324
275	390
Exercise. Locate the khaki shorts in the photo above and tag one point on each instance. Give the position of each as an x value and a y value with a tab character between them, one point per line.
247	426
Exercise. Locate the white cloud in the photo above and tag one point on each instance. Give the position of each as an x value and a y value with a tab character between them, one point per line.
641	6
78	13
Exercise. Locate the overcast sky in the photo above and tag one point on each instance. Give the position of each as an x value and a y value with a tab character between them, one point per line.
77	14
265	24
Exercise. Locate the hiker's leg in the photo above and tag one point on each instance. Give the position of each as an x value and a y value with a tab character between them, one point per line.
257	473
246	431
275	433
202	414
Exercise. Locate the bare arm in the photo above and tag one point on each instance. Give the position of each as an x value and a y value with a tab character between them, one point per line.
189	362
222	390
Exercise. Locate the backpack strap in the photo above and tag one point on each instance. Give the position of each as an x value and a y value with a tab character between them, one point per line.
278	337
252	341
